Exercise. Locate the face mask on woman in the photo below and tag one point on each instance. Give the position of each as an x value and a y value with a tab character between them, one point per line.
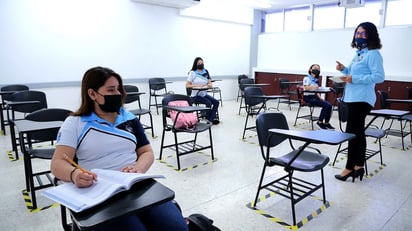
200	66
361	43
112	103
316	72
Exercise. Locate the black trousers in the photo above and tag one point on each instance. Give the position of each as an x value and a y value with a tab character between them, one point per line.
357	113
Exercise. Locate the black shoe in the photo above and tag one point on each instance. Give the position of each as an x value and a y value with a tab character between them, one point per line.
343	178
215	122
359	173
328	126
321	125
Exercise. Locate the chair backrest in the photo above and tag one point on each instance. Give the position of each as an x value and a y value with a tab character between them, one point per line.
29	95
240	77
269	120
245	81
132	98
383	96
157	84
283	85
45	115
13	87
253	91
339	87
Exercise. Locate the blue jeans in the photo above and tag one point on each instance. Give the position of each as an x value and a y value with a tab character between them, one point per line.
326	111
165	216
208	101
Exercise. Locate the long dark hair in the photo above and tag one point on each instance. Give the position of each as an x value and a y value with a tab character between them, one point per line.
194	66
374	42
94	78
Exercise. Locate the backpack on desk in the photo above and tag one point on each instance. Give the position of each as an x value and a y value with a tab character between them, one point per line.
184	120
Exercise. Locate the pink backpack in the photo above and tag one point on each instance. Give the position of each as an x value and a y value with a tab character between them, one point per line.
184	120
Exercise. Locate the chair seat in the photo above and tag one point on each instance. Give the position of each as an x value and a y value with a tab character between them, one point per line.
200	127
376	133
306	162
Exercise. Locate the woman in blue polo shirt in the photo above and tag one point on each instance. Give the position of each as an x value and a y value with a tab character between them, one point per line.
365	70
199	77
311	82
102	134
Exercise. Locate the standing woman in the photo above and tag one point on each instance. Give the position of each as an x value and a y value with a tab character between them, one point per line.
102	134
365	70
199	77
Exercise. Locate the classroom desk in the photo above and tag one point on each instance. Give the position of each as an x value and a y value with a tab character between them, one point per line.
256	84
267	98
142	195
320	90
314	136
11	121
133	93
395	114
25	127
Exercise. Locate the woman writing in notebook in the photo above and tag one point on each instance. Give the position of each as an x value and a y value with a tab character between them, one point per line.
102	134
364	71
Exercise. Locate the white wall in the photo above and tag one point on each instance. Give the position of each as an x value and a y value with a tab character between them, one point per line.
46	41
298	50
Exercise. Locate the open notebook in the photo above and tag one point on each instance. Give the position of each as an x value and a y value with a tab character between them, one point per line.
109	183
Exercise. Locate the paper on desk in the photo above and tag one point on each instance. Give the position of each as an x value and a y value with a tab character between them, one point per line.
337	79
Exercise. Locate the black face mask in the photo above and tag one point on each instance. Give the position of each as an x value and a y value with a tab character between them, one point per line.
200	66
112	103
315	72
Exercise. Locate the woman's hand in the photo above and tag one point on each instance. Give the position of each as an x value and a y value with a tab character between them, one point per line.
347	79
131	168
82	179
339	66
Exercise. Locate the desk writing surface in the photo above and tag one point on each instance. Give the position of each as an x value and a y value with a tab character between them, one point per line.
135	93
186	108
388	112
142	195
25	126
317	136
399	100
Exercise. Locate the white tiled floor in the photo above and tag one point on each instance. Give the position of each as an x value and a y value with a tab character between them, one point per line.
221	190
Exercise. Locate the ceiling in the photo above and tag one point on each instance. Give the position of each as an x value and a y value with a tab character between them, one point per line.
256	4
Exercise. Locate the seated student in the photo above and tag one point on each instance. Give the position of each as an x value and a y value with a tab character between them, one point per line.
199	77
102	134
311	82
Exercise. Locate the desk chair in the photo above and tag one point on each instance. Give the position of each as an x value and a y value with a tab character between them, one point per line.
45	153
284	88
215	91
157	88
4	97
253	105
138	111
401	132
374	132
189	145
201	114
338	90
24	109
239	92
302	103
289	186
242	88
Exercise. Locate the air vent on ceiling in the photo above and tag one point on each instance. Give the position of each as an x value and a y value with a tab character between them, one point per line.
351	3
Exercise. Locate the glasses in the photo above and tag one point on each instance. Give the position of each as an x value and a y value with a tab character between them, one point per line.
363	33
